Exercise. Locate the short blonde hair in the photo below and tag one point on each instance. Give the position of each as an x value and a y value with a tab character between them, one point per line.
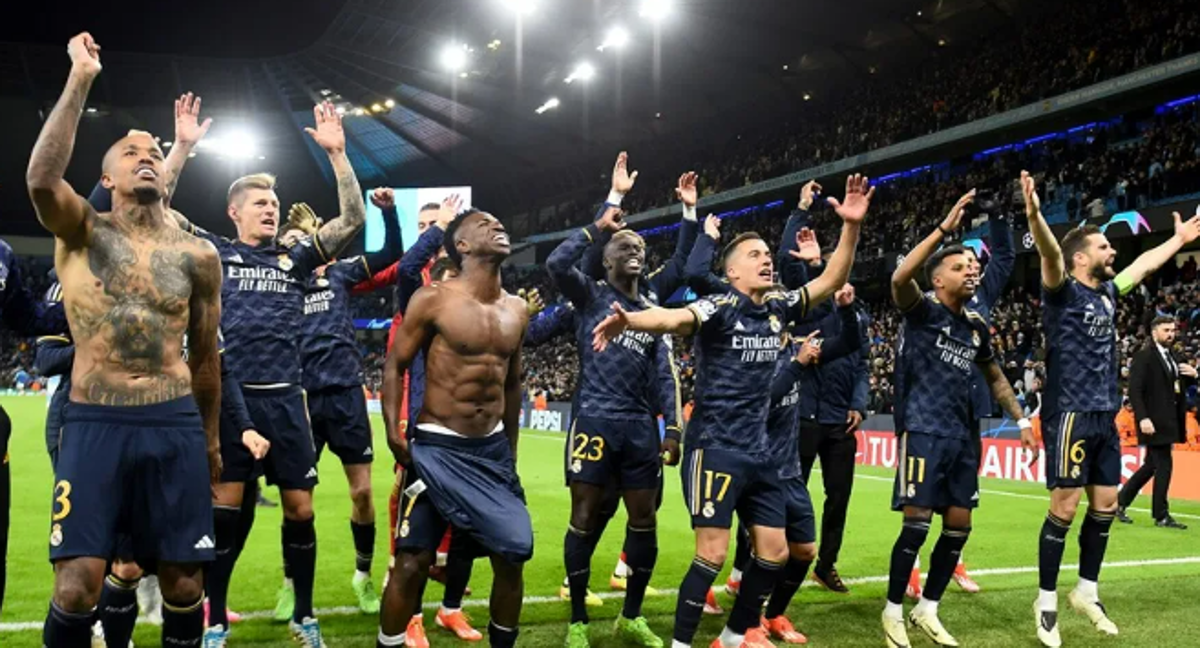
264	181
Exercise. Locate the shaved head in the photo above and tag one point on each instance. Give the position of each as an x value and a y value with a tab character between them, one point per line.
135	138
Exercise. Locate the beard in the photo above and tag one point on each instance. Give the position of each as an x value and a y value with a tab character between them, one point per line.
147	195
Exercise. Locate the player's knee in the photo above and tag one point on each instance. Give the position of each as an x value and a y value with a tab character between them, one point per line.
712	551
1065	509
360	496
298	511
411	563
584	519
772	550
75	591
184	589
805	552
126	571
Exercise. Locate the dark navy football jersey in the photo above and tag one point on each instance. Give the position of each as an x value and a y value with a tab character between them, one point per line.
328	350
262	306
20	311
1081	348
737	346
936	355
783	419
616	383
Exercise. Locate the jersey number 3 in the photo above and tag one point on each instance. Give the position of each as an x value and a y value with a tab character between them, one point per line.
62	500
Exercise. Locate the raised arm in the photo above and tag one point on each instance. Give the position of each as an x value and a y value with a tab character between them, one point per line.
549	324
796	250
675	321
328	134
852	211
1053	269
204	358
667	279
698	269
1153	259
905	289
415	332
393	242
59	208
1000	267
189	130
408	273
571	281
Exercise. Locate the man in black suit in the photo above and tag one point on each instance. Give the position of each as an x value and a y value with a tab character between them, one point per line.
1156	389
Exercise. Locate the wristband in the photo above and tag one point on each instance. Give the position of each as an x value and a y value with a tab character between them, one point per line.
614	198
1024	424
689	213
943	230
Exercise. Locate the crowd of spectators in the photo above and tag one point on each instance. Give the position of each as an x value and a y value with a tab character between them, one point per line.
1082	43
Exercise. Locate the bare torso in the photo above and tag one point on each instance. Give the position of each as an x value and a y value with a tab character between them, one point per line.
468	359
126	294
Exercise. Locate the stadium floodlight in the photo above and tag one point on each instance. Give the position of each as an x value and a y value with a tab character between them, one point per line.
376	108
521	7
341	110
656	10
807	97
238	145
390	103
616	38
550	104
582	72
359	112
454	57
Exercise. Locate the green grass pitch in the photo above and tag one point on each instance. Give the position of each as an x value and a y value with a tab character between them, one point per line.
1151	585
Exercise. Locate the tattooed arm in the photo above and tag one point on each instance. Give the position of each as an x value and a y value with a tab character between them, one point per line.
204	358
334	235
60	209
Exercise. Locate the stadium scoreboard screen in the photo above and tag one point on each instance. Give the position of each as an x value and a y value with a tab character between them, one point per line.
408	203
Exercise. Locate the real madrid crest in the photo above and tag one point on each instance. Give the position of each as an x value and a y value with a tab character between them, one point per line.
912	490
1074	472
322	282
404	529
56	535
776	325
576	466
975	338
709	510
285	262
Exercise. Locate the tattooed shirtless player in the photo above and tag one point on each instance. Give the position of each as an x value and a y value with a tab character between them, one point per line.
141	418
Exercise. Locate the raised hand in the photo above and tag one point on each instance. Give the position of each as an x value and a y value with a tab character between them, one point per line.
1033	204
622	179
383	198
612	220
328	134
853	208
844	296
950	223
85	54
610	328
304	218
533	301
712	227
188	128
1187	230
451	205
807	249
686	189
807	192
810	351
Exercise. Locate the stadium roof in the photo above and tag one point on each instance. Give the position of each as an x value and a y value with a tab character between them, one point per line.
709	67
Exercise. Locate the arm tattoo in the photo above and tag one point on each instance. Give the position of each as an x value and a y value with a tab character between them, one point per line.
335	234
56	143
1003	392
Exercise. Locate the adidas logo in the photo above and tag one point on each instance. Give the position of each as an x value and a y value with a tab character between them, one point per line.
235	258
975	497
1091	307
368	453
312	472
205	543
737	326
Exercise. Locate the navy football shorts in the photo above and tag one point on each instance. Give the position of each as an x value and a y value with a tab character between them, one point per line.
1082	449
339	420
141	472
801	523
718	483
280	414
470	484
936	472
623	454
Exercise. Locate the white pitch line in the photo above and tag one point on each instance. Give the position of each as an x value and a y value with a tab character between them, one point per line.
19	626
